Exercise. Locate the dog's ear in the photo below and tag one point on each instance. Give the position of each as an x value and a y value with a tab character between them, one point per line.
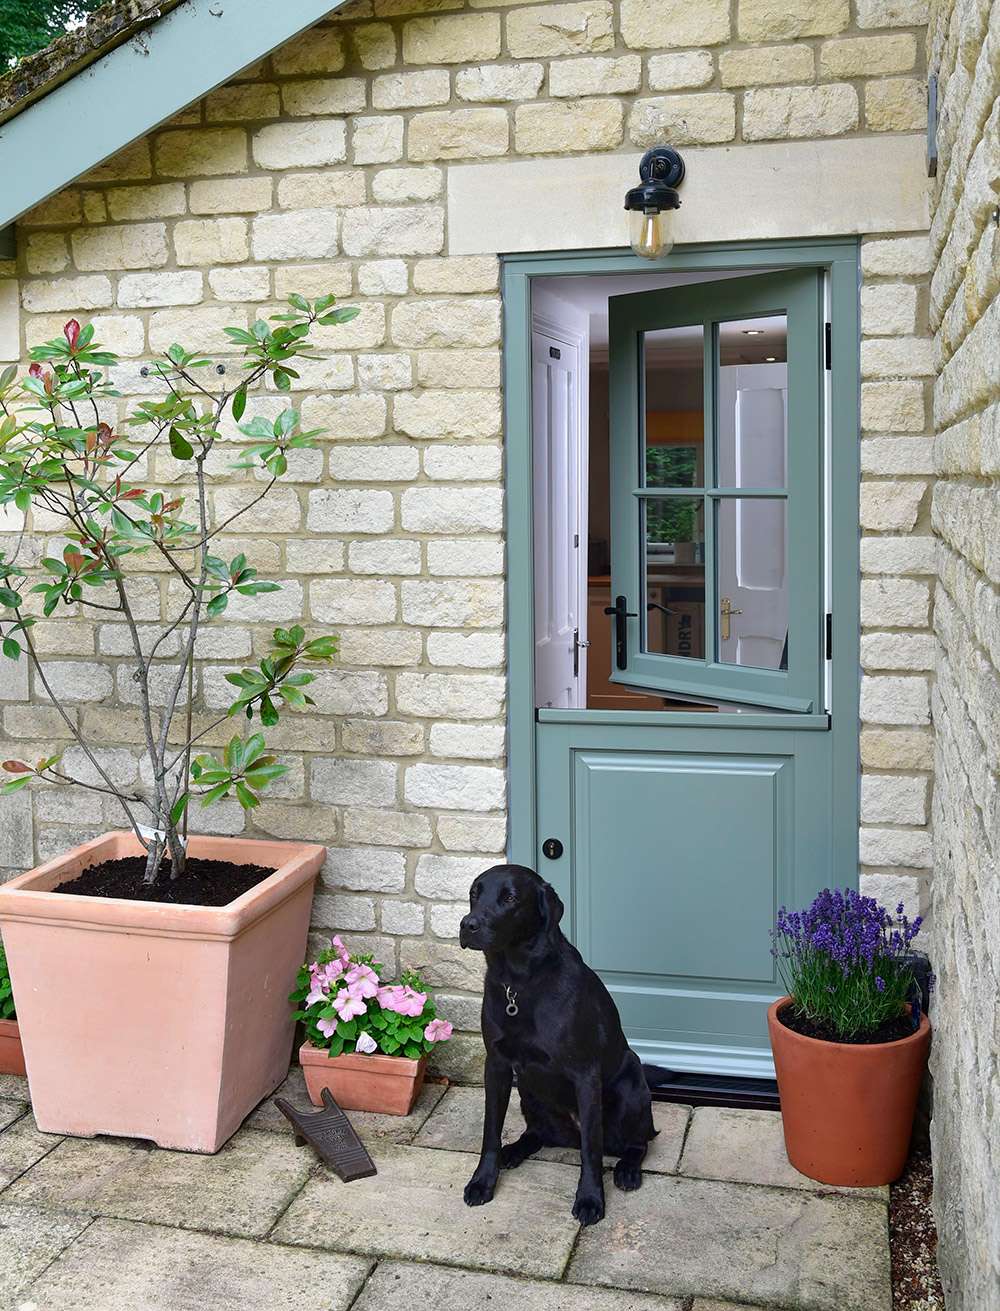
550	907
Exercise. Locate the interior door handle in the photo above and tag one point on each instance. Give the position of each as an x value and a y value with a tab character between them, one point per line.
726	609
621	613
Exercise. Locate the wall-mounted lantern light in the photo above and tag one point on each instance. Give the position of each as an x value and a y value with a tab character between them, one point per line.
661	170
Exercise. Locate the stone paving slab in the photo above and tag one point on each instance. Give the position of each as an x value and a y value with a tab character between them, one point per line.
764	1246
374	1130
396	1286
15	1087
413	1209
120	1266
29	1240
10	1111
749	1147
457	1126
21	1145
240	1191
701	1304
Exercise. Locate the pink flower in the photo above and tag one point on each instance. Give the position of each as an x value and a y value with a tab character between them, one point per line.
438	1031
388	996
341	950
347	1005
322	977
327	1027
411	1003
402	999
363	981
366	1044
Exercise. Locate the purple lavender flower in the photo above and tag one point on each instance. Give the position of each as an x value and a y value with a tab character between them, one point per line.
844	959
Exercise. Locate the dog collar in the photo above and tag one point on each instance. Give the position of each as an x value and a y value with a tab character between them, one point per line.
511	999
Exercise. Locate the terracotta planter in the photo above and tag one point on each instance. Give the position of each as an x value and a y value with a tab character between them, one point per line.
11	1054
148	1020
388	1084
847	1108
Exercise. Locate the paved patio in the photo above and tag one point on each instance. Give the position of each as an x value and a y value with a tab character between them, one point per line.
722	1222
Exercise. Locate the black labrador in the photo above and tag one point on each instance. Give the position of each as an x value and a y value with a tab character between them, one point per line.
550	1020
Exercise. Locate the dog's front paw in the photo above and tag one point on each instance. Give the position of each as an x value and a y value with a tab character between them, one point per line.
628	1176
588	1208
480	1189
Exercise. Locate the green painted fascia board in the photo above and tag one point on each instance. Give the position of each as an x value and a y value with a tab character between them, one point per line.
135	87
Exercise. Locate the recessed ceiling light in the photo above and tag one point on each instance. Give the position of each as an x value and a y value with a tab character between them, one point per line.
770	359
753	332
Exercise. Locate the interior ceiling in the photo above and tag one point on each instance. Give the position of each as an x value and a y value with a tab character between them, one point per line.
680	348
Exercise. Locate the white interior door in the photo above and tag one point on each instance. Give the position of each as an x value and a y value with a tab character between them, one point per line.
751	546
558	407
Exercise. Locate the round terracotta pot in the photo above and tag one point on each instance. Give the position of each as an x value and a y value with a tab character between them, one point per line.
847	1108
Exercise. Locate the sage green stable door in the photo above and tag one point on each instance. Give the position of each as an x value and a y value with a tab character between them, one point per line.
686	828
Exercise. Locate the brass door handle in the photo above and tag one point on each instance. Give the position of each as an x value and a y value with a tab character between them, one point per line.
726	610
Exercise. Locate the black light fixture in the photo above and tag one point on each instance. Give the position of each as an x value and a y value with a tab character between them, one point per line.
661	170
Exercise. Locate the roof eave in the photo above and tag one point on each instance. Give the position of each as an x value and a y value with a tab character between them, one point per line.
139	84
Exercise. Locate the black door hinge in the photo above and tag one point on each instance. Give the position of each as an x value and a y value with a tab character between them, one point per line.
828	344
829	636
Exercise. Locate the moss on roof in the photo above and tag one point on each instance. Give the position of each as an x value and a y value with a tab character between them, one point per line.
105	28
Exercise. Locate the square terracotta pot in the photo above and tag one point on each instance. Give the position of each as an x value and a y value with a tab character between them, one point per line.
11	1053
179	1022
387	1084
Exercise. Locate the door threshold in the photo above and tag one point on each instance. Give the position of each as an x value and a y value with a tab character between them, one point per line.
691	1089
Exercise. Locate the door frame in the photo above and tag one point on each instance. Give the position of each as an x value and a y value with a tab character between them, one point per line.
839	259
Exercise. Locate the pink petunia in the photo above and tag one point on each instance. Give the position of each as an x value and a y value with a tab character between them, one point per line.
363	980
438	1031
318	993
412	1003
366	1044
327	1027
347	1005
341	950
388	996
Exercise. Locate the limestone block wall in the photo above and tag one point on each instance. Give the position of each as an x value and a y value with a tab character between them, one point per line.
964	48
328	167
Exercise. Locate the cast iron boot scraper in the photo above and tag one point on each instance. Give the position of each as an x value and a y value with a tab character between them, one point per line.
331	1135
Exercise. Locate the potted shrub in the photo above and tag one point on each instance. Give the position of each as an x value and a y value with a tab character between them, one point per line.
11	1054
367	1040
177	952
850	1040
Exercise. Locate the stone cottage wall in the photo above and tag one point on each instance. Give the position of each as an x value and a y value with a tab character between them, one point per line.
326	168
965	313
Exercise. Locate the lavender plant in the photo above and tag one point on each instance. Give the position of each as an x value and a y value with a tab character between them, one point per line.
65	458
844	961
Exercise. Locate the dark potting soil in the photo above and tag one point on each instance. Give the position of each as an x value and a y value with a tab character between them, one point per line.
891	1031
203	883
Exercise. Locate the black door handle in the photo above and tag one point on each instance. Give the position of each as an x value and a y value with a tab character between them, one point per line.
621	613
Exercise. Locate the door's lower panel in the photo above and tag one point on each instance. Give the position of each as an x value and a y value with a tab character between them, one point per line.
680	845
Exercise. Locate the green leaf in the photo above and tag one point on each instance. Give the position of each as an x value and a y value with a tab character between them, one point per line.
15	784
217	604
239	403
9	597
213	794
180	447
179	807
22	499
245	797
11	649
268	712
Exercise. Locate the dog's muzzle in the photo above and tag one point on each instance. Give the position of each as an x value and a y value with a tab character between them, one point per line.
470	933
